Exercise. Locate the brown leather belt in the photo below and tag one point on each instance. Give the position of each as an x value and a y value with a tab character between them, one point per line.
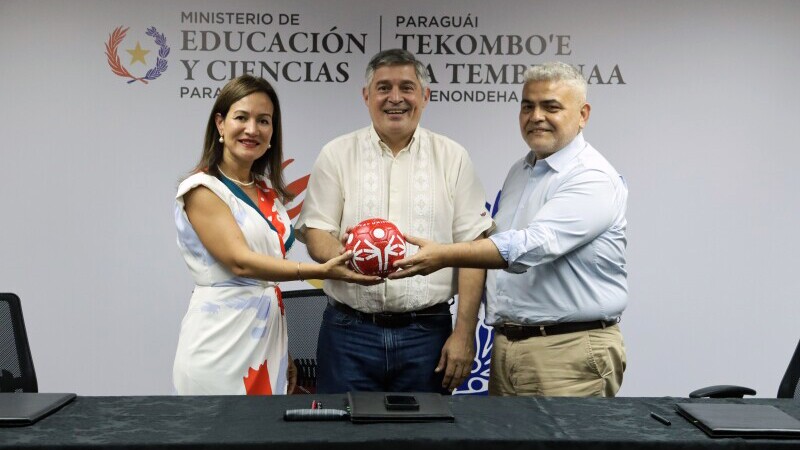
519	332
392	319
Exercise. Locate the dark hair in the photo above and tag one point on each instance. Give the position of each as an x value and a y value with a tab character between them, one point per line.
396	57
270	163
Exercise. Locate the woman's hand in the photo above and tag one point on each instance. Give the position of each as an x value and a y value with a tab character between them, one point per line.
338	269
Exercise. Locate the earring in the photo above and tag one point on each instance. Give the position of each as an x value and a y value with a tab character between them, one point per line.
221	139
269	145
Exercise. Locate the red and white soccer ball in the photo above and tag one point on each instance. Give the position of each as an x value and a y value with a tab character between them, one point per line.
376	244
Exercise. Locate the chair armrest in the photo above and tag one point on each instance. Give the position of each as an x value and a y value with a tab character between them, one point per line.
722	391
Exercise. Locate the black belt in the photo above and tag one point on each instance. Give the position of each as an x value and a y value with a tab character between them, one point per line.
518	332
392	319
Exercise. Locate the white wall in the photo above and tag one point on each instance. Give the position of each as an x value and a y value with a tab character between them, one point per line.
702	130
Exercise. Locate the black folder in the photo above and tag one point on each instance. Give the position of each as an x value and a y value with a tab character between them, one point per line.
18	409
370	407
740	420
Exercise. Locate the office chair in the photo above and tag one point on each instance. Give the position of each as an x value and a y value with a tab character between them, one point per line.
304	310
16	364
789	387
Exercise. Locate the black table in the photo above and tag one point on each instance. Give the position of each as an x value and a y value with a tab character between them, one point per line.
481	423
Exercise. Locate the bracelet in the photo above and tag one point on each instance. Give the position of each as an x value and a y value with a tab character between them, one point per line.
299	277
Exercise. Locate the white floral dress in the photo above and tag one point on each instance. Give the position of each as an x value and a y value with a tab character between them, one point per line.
233	338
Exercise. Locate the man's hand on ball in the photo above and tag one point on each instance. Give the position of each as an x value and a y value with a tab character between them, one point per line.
428	259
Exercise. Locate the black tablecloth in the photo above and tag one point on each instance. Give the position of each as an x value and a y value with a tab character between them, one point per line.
481	423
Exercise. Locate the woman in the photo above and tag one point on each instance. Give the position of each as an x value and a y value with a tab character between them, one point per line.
234	233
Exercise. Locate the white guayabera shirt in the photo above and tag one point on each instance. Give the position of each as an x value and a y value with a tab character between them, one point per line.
429	190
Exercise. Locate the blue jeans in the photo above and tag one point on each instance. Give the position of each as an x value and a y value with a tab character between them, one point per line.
356	355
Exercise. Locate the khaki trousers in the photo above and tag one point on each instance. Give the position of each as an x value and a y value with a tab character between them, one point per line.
580	364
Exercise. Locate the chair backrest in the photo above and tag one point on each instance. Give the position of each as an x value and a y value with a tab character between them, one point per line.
16	364
790	385
304	310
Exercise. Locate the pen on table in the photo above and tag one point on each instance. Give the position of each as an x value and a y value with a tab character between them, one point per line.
661	419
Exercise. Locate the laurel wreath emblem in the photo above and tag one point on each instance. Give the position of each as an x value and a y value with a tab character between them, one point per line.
116	37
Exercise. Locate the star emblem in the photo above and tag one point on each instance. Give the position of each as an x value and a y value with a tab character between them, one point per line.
138	54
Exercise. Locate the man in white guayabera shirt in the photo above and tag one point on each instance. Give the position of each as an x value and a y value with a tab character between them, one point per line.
397	335
560	240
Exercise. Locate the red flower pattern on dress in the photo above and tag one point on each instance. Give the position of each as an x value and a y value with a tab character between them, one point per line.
257	381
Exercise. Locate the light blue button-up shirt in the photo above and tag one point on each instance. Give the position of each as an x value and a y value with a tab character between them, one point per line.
561	228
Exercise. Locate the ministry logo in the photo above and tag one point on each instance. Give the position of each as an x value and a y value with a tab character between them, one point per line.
137	55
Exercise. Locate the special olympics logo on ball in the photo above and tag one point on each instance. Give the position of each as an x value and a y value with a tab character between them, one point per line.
376	244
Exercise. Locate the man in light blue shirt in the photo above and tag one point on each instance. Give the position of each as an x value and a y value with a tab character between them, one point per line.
560	238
